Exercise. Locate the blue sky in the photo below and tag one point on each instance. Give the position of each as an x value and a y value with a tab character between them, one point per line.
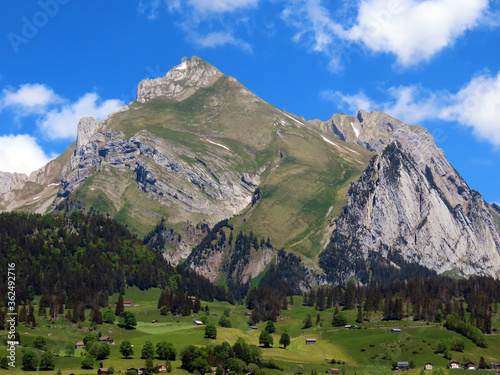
434	63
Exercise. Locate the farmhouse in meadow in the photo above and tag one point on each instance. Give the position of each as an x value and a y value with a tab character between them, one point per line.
396	330
197	323
454	365
127	303
403	365
107	339
102	371
428	366
79	345
310	341
470	366
334	371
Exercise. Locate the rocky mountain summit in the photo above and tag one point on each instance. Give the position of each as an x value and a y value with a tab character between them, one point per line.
196	149
411	202
181	82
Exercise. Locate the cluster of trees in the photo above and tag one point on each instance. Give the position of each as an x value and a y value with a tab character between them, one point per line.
178	302
454	323
241	357
266	303
425	299
76	262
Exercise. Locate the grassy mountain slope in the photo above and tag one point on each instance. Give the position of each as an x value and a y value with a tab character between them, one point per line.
303	176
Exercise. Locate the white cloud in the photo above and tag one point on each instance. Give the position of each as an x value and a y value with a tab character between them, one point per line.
220	38
315	28
476	105
349	103
221	6
206	23
414	30
61	123
21	153
29	98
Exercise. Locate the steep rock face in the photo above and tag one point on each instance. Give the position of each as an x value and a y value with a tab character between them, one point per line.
168	172
398	209
181	82
374	131
36	191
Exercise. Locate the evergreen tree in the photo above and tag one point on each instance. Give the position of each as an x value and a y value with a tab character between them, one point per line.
119	305
307	322
285	339
482	363
359	318
270	327
318	319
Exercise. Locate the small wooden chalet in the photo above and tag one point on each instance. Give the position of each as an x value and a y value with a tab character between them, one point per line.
310	341
107	339
403	365
79	345
334	371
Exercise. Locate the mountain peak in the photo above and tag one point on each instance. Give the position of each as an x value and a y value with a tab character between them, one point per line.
180	82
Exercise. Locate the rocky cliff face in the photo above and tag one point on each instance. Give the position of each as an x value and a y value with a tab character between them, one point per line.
197	147
35	192
181	82
416	209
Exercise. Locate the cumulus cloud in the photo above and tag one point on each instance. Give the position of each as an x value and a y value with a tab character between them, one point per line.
476	105
349	103
220	6
55	117
220	38
29	98
412	30
21	153
62	123
206	23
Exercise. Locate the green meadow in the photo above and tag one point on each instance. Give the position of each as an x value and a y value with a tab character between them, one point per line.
370	349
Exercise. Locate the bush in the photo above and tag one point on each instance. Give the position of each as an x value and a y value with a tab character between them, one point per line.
210	332
339	320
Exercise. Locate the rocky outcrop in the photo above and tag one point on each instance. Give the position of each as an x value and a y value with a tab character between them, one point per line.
397	208
170	173
38	190
181	82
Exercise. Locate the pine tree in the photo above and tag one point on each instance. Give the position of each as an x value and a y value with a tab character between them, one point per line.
119	305
359	319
